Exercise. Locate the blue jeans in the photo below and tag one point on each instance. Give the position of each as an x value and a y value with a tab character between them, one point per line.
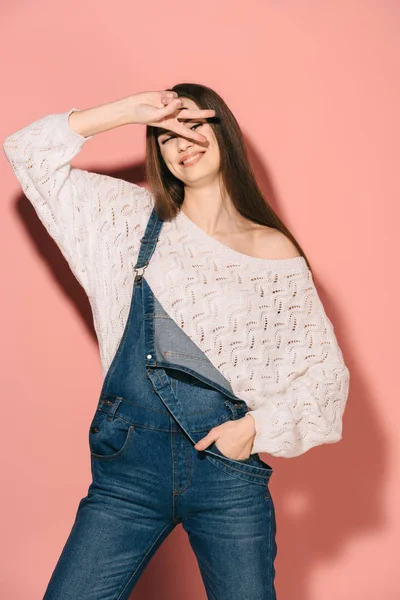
147	476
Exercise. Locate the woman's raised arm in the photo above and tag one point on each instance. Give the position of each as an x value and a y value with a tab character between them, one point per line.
73	204
81	209
91	121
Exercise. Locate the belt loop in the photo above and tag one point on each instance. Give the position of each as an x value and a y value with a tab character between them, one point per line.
148	240
113	409
238	409
232	408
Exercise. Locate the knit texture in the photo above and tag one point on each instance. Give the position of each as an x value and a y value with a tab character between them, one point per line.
259	321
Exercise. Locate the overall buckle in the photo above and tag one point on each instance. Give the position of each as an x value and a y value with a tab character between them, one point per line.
139	272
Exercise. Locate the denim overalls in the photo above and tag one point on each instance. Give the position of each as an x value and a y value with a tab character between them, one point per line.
160	396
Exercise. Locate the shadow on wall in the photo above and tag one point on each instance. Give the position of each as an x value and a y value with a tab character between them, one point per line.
324	499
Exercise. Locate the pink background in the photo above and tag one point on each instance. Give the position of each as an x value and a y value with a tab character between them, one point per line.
315	87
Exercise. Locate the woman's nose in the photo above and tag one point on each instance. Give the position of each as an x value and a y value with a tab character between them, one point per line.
184	143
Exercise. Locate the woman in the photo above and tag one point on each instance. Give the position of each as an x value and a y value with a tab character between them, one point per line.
214	343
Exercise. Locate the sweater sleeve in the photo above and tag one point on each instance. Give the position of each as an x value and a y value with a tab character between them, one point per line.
308	411
70	202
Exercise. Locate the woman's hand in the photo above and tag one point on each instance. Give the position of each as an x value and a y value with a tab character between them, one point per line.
162	109
235	438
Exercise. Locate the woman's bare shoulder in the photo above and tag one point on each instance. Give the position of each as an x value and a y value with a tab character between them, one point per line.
272	243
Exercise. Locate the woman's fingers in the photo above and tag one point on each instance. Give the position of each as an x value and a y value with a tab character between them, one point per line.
187	132
171	107
190	113
173	103
174	122
167	97
186	113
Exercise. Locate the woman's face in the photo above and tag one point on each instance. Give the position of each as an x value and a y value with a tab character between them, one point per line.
174	148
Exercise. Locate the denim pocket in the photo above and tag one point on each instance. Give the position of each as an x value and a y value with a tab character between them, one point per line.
252	459
109	438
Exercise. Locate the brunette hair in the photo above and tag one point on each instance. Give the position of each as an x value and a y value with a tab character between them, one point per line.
236	172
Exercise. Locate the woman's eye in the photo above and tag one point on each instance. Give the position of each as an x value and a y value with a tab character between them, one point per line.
173	136
168	138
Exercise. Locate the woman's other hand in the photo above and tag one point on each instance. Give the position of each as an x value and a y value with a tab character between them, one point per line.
162	109
235	438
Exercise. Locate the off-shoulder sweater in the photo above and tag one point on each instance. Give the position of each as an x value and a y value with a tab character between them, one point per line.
259	321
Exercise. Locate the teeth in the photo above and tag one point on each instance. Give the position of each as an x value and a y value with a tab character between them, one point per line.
191	158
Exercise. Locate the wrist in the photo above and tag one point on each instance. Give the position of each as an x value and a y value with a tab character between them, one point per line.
128	109
252	420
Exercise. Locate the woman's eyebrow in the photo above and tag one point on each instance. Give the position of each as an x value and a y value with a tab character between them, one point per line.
164	132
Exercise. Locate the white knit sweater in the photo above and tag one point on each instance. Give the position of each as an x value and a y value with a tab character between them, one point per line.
259	321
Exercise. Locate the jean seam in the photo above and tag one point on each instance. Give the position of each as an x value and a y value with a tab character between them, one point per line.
163	412
188	465
145	554
141	425
259	479
185	355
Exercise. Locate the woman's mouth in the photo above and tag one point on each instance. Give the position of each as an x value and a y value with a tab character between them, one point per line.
192	160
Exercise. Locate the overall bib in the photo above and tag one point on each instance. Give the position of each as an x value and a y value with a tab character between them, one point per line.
160	396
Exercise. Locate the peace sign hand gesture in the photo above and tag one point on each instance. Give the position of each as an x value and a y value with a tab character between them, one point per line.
162	109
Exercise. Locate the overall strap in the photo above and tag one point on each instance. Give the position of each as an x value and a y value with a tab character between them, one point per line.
148	243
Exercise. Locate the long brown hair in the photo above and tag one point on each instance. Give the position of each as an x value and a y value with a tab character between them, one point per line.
236	172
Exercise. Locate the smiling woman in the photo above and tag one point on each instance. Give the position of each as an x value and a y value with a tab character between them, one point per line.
223	169
178	151
214	343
